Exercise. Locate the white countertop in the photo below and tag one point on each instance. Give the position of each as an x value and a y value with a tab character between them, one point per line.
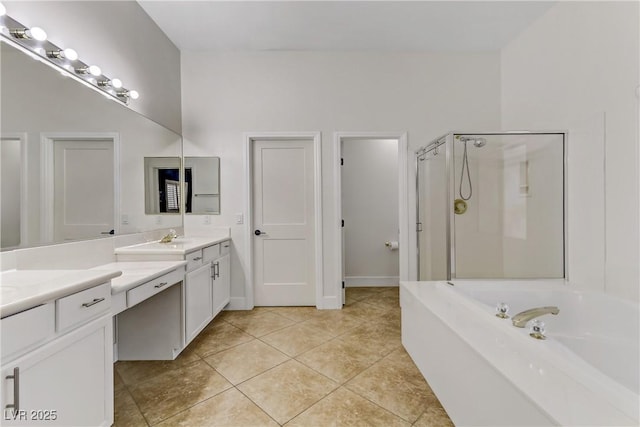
24	289
135	273
179	246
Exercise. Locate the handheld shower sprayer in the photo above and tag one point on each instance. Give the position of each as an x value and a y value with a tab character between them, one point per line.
478	142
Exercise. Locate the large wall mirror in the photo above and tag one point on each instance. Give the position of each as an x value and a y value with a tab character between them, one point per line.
72	160
202	185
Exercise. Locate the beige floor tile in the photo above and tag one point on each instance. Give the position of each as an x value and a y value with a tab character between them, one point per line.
176	390
434	417
297	339
375	336
117	380
135	372
261	324
394	385
217	337
335	322
365	312
126	412
230	315
297	314
339	360
286	390
229	408
360	293
345	408
245	361
386	299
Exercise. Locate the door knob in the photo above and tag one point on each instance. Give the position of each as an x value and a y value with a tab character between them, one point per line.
258	233
108	232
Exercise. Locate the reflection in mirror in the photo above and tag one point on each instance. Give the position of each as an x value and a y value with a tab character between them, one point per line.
202	185
46	110
11	159
162	185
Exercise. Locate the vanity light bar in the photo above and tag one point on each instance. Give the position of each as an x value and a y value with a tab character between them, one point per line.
34	42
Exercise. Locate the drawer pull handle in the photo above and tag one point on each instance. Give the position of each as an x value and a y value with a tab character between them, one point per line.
160	285
16	390
94	302
226	246
198	258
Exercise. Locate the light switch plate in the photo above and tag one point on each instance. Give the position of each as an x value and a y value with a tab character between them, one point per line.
206	220
239	218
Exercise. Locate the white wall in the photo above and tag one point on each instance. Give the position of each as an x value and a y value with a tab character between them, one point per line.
370	210
123	40
577	68
425	94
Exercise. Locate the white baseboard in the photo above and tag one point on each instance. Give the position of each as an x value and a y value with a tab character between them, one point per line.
371	281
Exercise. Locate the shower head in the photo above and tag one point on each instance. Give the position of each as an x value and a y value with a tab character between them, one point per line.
476	140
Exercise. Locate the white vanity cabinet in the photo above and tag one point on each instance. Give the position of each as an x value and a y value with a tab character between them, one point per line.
207	286
62	375
221	279
198	300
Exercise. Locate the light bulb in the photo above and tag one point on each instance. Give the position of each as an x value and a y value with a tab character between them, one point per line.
94	70
3	10
116	83
36	33
134	94
70	54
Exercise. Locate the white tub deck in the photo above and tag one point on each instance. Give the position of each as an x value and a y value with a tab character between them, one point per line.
487	372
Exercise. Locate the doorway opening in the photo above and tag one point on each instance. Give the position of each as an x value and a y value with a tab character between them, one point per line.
371	205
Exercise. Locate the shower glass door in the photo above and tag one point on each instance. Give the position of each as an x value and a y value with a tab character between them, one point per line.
433	245
507	206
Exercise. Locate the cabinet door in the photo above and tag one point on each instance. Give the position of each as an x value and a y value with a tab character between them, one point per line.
68	382
198	301
222	284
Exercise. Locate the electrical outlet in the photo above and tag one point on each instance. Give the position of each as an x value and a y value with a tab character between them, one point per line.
239	218
124	219
206	219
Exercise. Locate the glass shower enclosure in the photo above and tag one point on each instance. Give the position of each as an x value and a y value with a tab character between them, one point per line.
492	205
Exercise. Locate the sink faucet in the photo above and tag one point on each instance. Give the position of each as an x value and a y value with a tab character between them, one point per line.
169	237
521	319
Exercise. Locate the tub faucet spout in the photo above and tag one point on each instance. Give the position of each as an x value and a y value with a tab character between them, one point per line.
520	320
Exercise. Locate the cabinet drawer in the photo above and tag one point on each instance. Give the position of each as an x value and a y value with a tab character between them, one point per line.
25	329
152	287
82	306
225	247
194	260
210	253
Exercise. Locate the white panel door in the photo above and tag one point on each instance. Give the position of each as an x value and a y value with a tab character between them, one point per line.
83	189
284	223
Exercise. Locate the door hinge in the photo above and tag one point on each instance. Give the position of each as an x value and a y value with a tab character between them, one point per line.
343	284
341	161
418	226
343	222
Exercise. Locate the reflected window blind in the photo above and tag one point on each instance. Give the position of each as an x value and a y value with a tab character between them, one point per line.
173	195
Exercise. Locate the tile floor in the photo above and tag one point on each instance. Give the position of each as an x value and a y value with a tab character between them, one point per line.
293	366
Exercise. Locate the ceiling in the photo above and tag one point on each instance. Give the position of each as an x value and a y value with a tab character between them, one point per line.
343	25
